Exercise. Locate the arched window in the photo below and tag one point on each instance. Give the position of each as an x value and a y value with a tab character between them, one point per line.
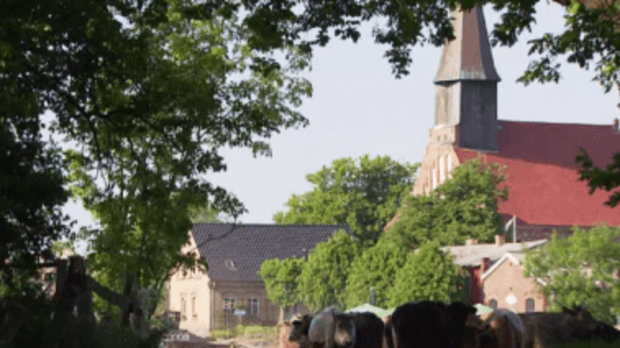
493	304
449	160
530	305
434	178
183	309
442	169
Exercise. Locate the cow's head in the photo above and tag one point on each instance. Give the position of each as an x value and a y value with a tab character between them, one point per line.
322	327
299	327
345	332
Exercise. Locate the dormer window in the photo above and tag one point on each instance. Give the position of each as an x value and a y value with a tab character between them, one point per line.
230	265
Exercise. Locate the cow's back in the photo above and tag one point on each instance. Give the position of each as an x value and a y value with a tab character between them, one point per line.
368	330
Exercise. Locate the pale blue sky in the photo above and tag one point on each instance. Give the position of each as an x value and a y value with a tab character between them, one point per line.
358	108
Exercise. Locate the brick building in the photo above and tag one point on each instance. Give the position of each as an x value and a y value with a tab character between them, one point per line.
506	286
477	259
235	254
545	193
544	188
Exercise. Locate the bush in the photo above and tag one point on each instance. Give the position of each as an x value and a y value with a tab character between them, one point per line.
220	334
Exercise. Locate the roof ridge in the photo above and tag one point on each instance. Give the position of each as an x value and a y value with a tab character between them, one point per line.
557	123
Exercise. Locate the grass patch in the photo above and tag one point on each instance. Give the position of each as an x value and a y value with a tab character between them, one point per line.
241	331
222	334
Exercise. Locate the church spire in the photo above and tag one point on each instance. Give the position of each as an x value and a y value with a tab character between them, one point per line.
466	87
468	56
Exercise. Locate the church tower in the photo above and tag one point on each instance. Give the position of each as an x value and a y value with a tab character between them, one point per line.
466	87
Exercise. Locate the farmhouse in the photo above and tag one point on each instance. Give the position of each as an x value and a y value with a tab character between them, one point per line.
496	275
235	253
545	193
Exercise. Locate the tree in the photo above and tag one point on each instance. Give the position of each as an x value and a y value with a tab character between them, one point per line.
463	207
323	280
580	270
429	274
142	89
376	267
281	279
31	188
364	194
205	213
607	178
590	35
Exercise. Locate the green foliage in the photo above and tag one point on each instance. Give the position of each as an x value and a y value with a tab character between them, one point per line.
376	267
31	183
205	214
464	207
323	280
146	93
364	194
607	179
590	36
33	312
61	247
429	274
281	279
581	270
188	86
220	334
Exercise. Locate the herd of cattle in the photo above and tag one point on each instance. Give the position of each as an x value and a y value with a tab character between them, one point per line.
430	324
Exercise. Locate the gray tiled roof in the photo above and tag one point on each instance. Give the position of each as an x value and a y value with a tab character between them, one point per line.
472	255
237	251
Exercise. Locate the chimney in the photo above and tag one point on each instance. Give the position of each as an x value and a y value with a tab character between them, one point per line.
615	124
484	266
471	241
500	239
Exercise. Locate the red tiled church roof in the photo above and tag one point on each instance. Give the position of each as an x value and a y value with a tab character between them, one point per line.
543	183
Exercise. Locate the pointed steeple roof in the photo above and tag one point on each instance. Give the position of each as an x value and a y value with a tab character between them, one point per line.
468	56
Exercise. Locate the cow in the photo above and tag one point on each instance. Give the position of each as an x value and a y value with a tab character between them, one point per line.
430	324
358	330
300	324
507	328
322	328
544	330
478	334
388	342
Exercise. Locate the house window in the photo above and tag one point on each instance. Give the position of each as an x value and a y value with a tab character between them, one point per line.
468	286
183	309
449	164
194	314
442	169
254	307
530	305
493	304
229	305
